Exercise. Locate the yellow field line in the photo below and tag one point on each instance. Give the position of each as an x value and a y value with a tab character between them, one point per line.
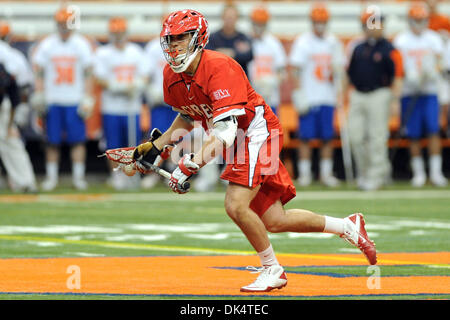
122	245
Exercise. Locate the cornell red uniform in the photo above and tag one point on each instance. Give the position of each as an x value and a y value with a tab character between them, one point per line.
218	89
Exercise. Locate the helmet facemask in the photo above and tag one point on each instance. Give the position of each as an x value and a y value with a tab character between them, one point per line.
179	60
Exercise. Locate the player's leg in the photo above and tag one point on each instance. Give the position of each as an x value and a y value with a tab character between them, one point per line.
411	116
18	165
326	151
357	120
352	228
237	206
112	131
76	137
14	155
54	131
306	132
431	114
162	116
378	134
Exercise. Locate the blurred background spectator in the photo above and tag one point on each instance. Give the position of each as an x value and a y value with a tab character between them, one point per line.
63	92
239	32
422	51
318	61
15	81
120	70
371	99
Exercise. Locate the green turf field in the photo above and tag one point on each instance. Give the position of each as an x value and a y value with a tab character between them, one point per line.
158	222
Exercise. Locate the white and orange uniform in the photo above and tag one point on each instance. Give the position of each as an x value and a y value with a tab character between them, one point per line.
64	64
317	57
155	64
122	66
269	58
420	55
162	115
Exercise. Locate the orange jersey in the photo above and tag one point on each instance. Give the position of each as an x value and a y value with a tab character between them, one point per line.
219	88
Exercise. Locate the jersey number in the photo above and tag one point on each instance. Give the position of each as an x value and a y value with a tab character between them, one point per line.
323	72
65	74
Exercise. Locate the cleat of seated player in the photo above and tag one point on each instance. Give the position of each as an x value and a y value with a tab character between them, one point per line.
49	184
270	277
80	184
355	233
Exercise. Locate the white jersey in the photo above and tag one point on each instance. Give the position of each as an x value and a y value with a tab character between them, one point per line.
64	64
155	62
269	58
447	56
317	58
420	55
122	66
8	59
25	74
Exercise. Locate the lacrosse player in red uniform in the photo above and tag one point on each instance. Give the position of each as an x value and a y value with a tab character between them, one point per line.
210	87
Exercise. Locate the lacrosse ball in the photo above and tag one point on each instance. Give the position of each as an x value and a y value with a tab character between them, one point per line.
129	169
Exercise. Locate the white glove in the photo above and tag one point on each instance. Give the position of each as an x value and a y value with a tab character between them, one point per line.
267	85
154	95
21	114
429	67
300	102
414	79
38	103
86	107
119	87
186	168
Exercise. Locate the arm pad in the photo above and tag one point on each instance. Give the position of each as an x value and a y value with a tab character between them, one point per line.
225	130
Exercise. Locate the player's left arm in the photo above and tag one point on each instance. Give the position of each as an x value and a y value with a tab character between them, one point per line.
224	135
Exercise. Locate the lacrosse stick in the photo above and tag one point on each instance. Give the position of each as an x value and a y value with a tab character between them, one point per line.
124	157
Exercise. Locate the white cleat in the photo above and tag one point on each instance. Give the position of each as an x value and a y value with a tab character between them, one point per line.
418	180
304	181
49	184
80	184
270	277
438	180
330	181
149	181
355	233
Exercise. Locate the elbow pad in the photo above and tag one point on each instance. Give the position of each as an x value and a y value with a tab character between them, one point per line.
225	130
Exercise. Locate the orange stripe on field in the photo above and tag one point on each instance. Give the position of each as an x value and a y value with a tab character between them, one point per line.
197	275
23	198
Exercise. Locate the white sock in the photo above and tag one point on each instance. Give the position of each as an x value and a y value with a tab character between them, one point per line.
78	169
435	164
304	167
334	225
326	167
52	170
267	257
418	166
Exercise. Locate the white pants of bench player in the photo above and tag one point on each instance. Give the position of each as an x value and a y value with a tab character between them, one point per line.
368	126
14	155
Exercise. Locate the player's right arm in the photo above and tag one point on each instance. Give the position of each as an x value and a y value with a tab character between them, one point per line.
150	150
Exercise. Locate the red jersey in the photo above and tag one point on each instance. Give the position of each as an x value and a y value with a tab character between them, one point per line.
219	88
